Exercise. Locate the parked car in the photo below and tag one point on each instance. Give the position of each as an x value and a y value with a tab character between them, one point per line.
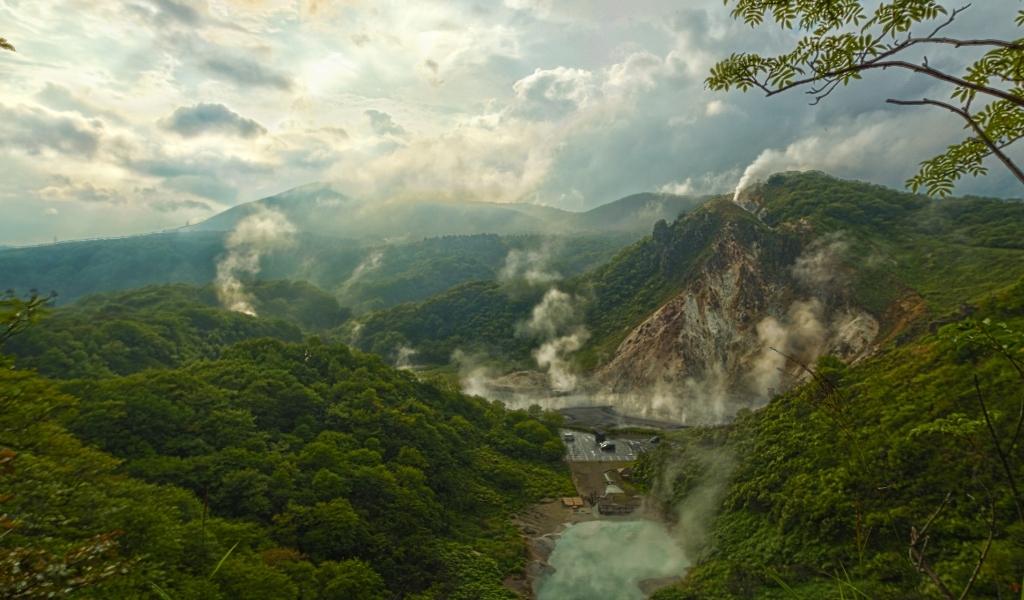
569	437
608	446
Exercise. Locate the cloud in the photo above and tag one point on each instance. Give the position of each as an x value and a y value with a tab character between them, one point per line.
191	121
63	189
35	130
246	72
171	205
553	93
60	98
383	124
571	103
178	11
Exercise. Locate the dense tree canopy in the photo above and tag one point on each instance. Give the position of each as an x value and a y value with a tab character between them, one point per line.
260	469
825	489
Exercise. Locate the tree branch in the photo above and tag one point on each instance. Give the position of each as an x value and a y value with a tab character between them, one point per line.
900	64
994	148
999	450
983	554
963	43
918	544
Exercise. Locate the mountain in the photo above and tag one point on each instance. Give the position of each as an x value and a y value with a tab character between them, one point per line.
324	210
717	310
202	453
370	256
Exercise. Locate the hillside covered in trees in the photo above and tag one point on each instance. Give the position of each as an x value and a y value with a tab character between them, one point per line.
241	464
896	247
886	479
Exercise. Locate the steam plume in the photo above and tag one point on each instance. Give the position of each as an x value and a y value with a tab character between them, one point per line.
531	266
553	320
368	264
253	236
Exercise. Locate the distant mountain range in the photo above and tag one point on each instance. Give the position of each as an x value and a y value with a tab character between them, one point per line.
412	250
324	210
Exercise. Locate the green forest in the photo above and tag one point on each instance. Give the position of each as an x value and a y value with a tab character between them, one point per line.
158	445
942	253
203	454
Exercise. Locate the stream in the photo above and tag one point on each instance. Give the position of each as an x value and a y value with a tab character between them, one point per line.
609	559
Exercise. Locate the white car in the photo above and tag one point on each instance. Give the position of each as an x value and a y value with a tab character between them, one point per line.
569	437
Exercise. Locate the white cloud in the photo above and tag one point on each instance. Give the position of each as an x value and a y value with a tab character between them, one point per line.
572	103
553	93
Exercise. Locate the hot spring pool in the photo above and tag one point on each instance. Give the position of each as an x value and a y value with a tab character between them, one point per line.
608	559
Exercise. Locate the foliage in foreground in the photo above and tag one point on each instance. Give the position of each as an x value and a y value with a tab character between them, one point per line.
828	488
843	39
277	470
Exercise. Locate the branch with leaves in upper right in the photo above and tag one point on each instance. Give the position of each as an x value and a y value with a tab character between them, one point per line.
846	40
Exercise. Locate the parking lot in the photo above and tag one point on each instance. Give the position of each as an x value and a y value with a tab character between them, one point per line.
584	449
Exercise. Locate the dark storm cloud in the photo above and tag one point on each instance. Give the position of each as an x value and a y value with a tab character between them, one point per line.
191	121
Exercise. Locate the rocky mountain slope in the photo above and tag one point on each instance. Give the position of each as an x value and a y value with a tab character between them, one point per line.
808	266
716	310
754	296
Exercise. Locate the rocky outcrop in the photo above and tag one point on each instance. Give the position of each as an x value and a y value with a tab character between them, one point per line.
754	296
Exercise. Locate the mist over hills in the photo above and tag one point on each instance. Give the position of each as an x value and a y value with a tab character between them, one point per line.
681	323
368	429
322	209
334	235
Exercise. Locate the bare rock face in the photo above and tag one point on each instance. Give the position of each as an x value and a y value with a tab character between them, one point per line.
755	296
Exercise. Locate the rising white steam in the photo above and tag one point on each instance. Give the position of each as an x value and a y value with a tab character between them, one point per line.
368	264
708	473
530	266
475	378
800	334
404	356
554	321
552	356
820	265
556	311
253	237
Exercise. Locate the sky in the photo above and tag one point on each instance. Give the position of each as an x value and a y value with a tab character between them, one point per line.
128	116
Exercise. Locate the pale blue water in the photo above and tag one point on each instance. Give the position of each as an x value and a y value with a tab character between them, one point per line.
608	559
